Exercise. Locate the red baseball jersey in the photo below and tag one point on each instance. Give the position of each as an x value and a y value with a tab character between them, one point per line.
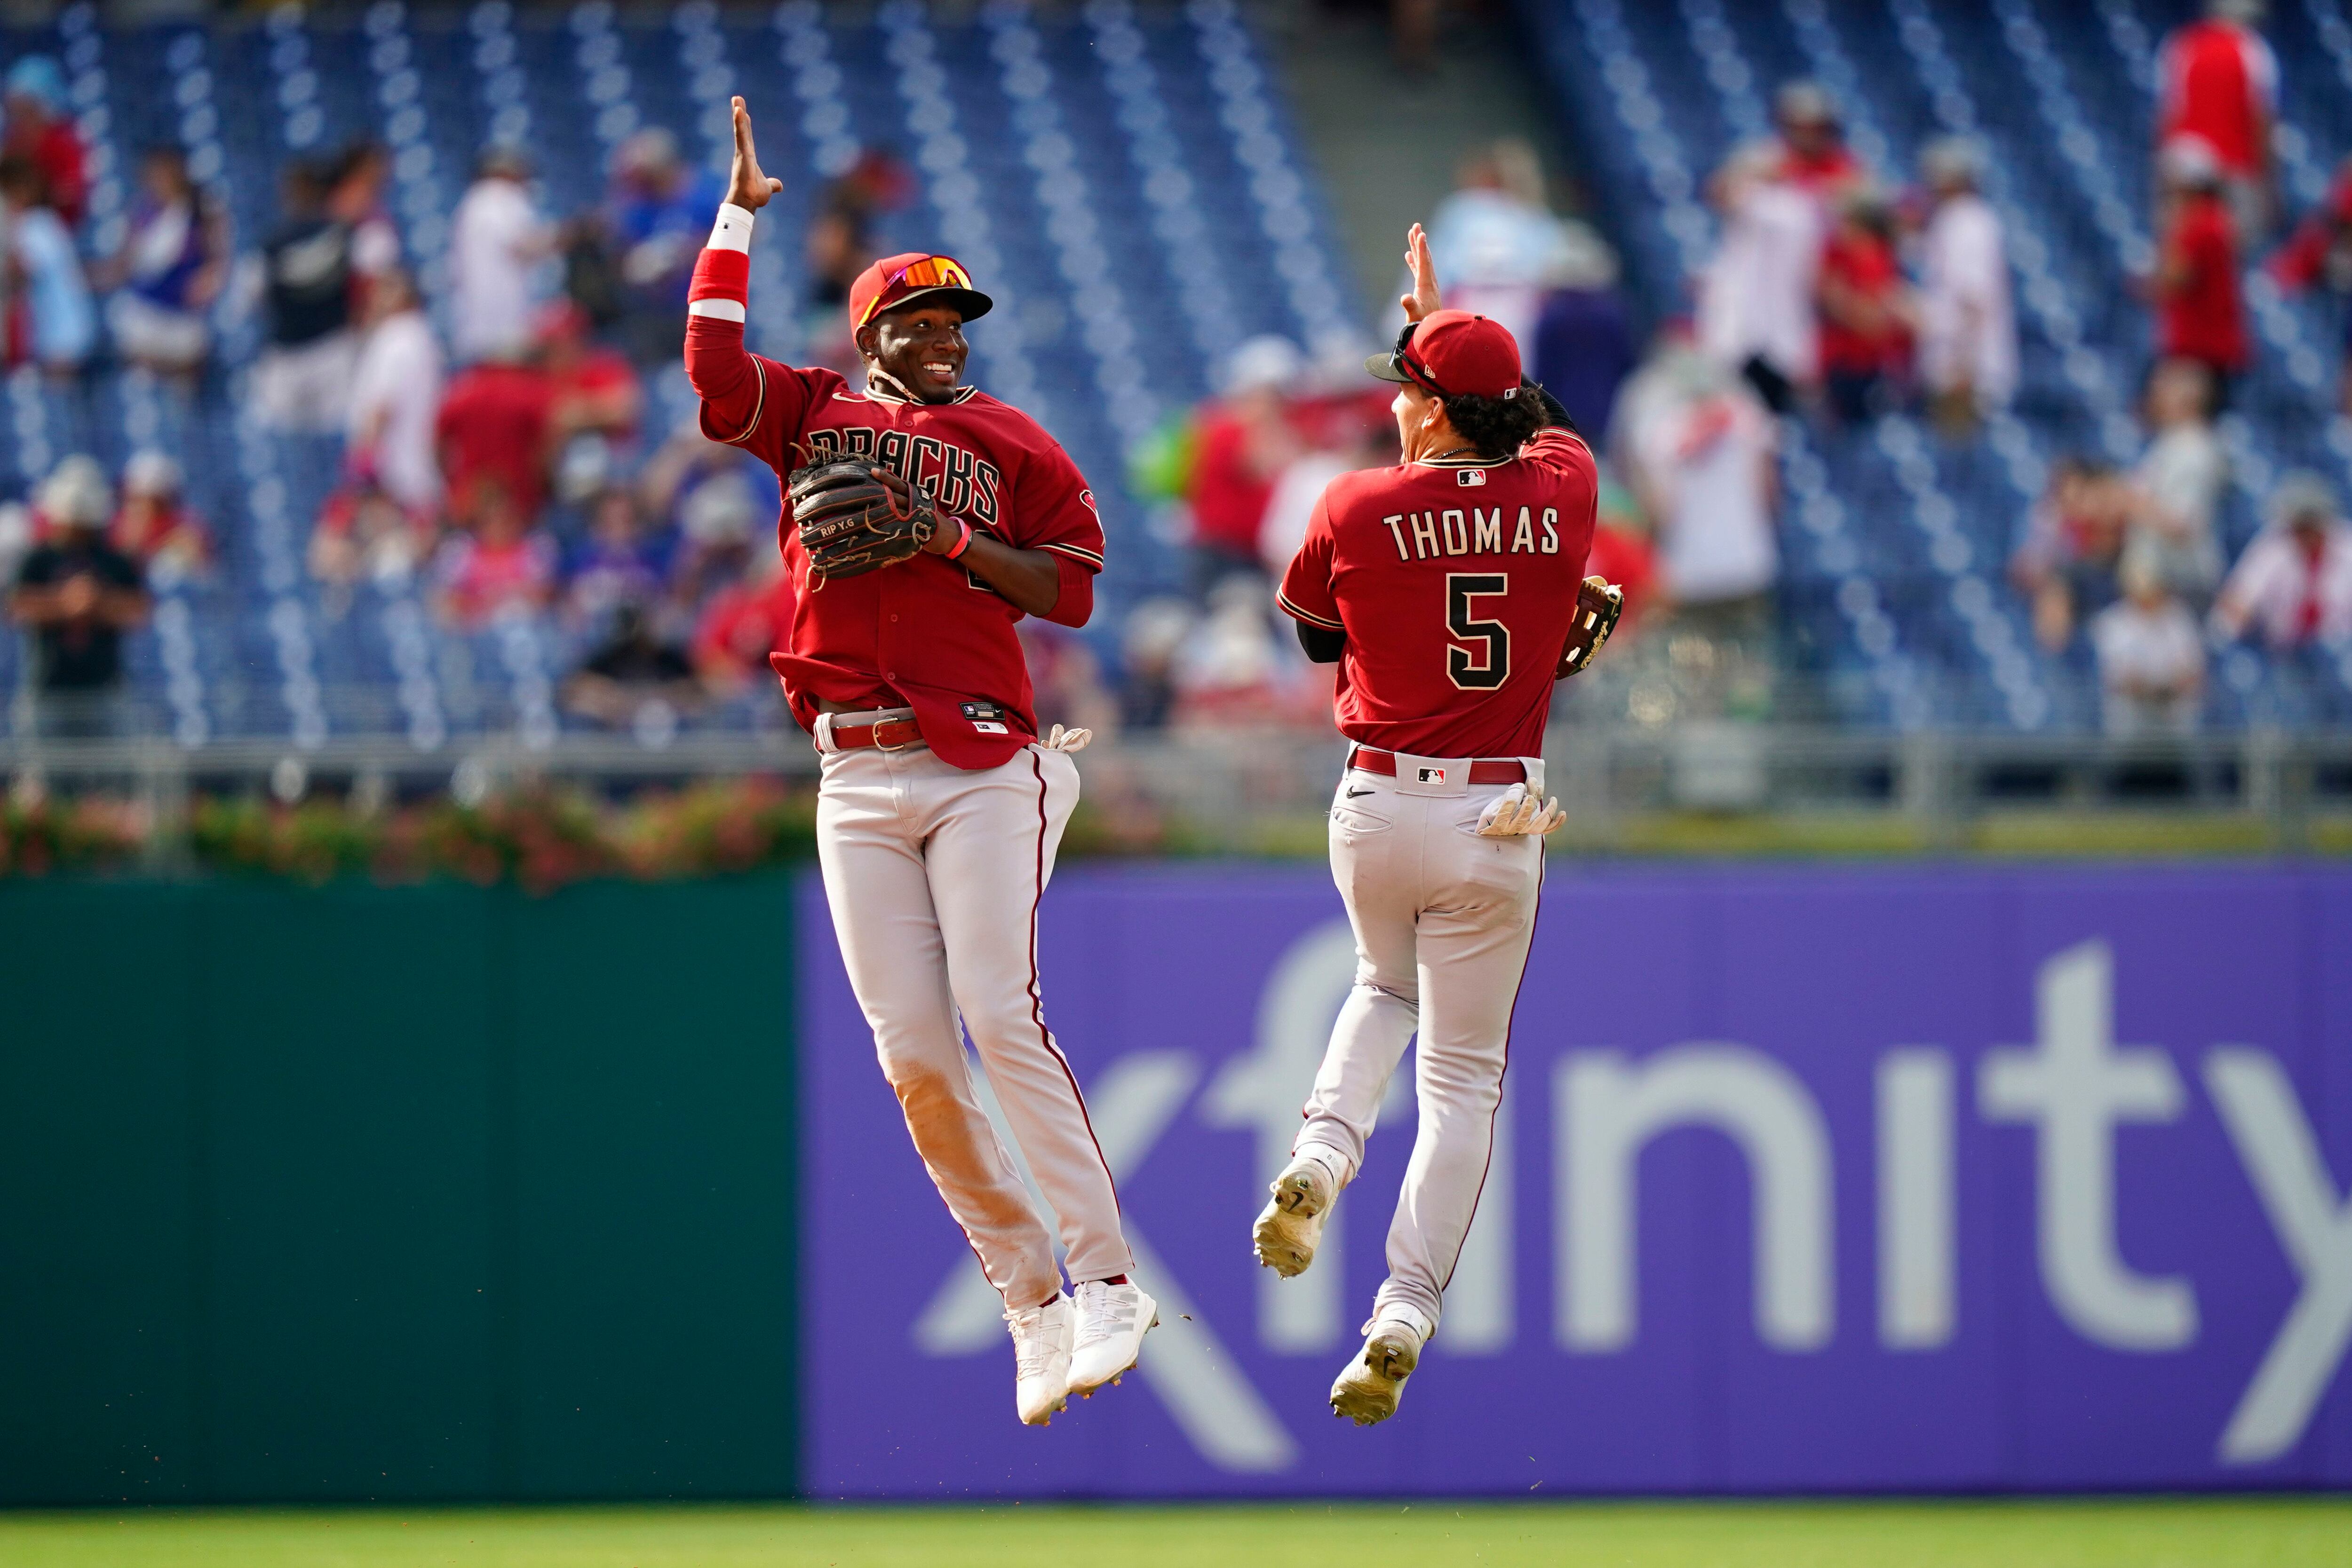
1455	580
925	634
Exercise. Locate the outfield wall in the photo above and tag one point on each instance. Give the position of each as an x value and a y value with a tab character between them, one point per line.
421	1192
1812	1179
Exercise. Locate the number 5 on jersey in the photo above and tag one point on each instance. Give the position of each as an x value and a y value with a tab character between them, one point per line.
1486	666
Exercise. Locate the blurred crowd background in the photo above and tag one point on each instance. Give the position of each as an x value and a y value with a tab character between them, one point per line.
342	394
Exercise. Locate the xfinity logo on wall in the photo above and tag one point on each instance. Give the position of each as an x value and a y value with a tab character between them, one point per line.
2136	1246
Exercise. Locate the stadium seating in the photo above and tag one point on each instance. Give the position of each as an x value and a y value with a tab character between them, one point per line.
1898	540
1125	180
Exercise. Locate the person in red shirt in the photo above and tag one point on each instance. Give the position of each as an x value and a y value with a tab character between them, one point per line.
2200	315
497	422
1241	444
595	389
940	809
2217	80
745	625
1864	306
41	132
1446	588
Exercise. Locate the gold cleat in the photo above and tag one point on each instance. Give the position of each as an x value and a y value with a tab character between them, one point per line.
1290	1227
1368	1391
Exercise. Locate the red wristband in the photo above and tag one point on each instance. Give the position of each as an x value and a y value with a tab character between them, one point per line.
963	544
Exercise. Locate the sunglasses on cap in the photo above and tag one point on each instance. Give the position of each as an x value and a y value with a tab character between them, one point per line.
1410	367
926	272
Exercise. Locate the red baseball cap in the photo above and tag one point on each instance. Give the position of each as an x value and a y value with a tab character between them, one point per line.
1451	353
895	280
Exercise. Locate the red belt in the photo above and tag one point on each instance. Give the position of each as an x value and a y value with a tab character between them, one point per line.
887	734
1483	770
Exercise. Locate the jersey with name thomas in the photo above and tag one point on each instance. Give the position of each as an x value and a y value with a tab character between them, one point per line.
1455	581
927	632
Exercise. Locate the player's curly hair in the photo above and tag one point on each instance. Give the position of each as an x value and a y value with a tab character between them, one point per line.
1494	426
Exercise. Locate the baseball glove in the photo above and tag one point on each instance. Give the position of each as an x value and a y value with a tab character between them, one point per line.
856	516
1599	603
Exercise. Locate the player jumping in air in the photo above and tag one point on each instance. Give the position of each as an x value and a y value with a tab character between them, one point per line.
926	518
1451	591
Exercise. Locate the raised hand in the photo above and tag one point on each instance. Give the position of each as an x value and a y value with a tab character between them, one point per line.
747	187
1423	298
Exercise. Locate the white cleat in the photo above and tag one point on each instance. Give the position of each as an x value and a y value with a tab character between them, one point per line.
1366	1392
1041	1359
1291	1226
1112	1321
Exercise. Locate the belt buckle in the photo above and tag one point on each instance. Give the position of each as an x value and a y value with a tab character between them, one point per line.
882	724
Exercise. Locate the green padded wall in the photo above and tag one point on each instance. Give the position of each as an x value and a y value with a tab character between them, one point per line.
395	1193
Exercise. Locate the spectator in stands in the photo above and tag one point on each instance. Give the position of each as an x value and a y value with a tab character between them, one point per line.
1067	678
497	422
174	260
617	561
355	183
840	244
1967	324
77	594
596	388
496	242
1812	153
1756	310
660	215
1622	552
155	525
1154	632
2066	564
1229	671
362	532
501	563
54	322
2151	659
2292	587
2199	314
634	677
2319	253
1496	240
1583	344
2178	484
1369	441
1242	442
1698	447
41	131
396	397
720	516
302	382
745	622
2217	81
1865	309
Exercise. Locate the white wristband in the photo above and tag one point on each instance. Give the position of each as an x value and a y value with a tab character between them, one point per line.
734	229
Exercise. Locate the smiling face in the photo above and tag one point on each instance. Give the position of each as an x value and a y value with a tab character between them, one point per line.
920	345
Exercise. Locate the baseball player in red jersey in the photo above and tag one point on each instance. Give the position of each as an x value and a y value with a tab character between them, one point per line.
940	809
1447	589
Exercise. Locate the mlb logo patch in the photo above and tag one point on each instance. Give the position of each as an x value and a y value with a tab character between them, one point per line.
1470	478
1433	775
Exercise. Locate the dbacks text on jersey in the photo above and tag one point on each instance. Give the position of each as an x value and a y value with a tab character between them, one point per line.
956	480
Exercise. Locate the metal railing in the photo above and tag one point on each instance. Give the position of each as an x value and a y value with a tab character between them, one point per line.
1224	788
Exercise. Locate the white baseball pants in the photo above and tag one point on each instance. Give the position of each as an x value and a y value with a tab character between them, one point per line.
1442	920
933	874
